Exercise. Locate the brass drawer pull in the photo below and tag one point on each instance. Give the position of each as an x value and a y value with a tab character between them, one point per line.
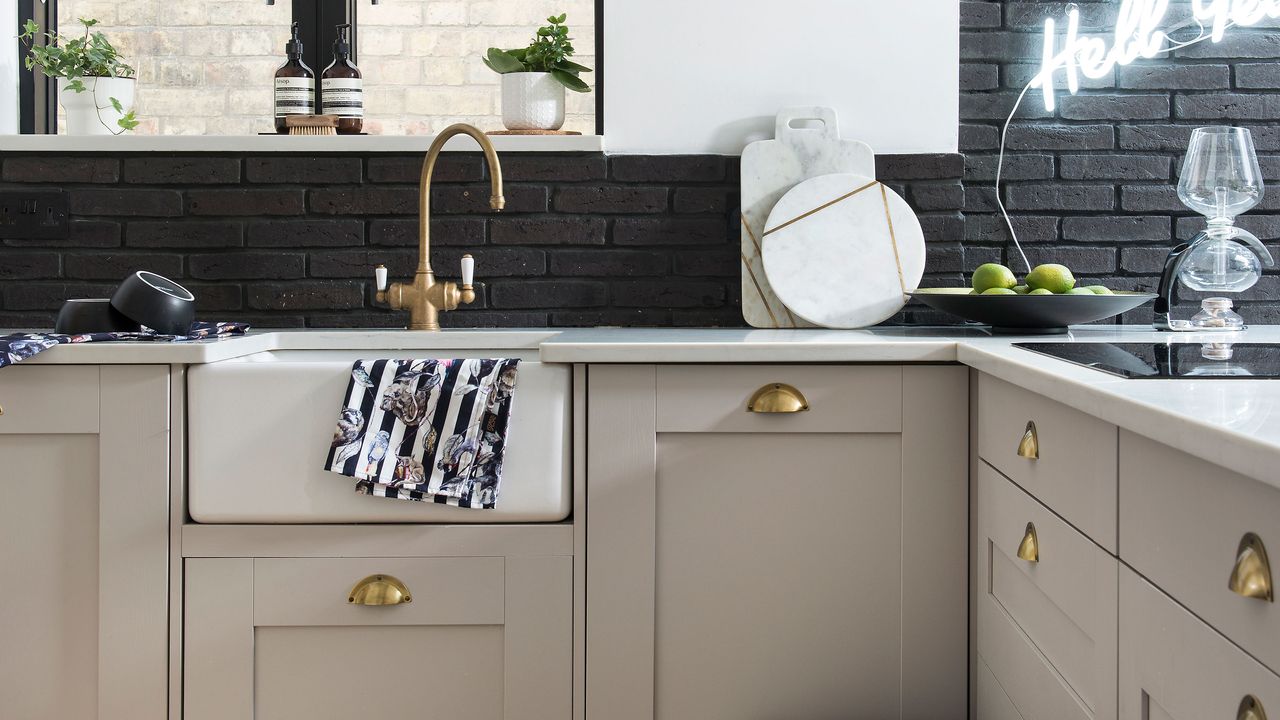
1029	548
377	590
1251	709
1251	576
1029	446
777	398
1	409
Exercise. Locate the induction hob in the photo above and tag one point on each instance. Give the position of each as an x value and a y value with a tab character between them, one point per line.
1154	361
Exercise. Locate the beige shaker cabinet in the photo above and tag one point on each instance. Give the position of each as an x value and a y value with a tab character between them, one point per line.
1045	606
84	542
462	638
1173	666
808	562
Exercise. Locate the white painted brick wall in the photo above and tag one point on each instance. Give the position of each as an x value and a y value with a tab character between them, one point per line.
205	66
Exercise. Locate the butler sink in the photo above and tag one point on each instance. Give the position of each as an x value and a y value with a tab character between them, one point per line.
260	427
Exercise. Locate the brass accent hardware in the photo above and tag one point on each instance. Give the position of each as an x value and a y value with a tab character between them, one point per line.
425	298
377	590
1	409
1251	576
1029	548
1251	709
776	399
1029	446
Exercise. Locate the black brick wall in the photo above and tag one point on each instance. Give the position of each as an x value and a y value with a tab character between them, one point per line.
1094	185
290	240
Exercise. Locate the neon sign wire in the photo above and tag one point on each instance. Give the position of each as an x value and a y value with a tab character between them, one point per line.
1137	36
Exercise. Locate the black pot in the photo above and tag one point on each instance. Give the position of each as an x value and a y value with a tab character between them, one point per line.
156	302
92	316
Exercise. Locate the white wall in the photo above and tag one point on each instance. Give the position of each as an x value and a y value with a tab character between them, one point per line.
707	76
8	66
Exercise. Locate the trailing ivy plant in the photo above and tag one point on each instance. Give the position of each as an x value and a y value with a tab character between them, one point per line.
549	53
90	55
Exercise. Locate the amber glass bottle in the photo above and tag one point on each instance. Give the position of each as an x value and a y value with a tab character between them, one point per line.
342	87
295	85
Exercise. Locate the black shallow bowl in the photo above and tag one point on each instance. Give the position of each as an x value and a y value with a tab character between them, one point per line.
1030	314
157	302
92	316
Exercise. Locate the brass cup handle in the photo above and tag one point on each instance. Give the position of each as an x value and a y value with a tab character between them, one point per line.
1	409
1029	446
1251	709
1251	576
379	590
1029	548
778	398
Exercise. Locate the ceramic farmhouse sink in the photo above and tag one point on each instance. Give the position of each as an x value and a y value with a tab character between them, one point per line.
260	426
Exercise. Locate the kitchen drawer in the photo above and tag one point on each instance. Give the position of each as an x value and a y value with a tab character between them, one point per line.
484	638
1046	630
261	462
1172	665
1075	473
61	399
313	591
1181	522
714	398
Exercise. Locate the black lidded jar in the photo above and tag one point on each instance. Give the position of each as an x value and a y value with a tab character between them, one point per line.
295	85
342	86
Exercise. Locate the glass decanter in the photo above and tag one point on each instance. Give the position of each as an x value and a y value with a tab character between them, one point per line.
1220	179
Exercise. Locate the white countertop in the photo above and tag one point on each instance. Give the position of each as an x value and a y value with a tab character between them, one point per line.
287	143
1232	423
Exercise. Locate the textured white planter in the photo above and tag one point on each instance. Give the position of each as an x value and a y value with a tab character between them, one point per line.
91	112
532	101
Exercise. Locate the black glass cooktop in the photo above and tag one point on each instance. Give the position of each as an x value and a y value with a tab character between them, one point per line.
1217	360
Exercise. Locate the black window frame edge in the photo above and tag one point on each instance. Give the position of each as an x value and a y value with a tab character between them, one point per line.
317	20
37	94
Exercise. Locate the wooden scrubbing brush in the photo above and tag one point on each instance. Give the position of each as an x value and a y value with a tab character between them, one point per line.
312	124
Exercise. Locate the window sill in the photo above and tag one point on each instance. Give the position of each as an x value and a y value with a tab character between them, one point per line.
285	143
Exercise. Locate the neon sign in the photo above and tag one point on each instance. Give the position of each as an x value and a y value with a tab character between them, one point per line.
1137	35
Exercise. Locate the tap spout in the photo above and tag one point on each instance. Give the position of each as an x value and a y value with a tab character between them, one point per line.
496	199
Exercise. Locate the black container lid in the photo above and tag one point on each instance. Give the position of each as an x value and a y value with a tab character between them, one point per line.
294	46
342	46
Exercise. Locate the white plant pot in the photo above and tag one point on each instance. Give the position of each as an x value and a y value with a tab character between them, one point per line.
91	112
532	101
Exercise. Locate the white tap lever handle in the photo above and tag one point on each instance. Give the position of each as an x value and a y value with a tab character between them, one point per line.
380	277
468	270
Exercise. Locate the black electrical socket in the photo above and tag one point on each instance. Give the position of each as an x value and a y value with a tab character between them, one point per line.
34	214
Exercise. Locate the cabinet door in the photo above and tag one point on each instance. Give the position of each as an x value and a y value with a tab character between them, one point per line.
1046	625
745	566
1174	667
485	638
84	543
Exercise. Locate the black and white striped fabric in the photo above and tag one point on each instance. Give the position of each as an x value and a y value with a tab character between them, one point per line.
426	430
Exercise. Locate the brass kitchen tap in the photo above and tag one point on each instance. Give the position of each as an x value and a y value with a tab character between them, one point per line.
425	298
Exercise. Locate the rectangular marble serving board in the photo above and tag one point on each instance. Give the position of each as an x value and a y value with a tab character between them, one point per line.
806	144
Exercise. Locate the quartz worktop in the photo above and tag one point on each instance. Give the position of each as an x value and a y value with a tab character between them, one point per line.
1231	423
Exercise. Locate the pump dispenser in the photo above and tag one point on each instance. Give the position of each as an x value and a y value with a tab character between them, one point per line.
341	86
295	84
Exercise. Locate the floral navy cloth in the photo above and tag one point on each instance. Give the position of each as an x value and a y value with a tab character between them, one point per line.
19	347
426	430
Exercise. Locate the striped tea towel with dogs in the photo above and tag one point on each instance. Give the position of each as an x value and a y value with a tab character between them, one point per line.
426	430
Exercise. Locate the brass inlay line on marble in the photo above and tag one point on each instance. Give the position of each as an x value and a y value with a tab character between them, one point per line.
746	263
888	216
820	208
893	238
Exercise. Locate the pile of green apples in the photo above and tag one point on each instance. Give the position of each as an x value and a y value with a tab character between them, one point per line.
1051	279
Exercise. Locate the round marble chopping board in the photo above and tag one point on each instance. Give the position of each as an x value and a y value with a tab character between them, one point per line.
843	251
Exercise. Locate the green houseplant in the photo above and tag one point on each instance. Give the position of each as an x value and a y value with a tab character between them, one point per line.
534	78
95	84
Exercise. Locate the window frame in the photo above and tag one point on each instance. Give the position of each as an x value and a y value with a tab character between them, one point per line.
317	19
37	95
